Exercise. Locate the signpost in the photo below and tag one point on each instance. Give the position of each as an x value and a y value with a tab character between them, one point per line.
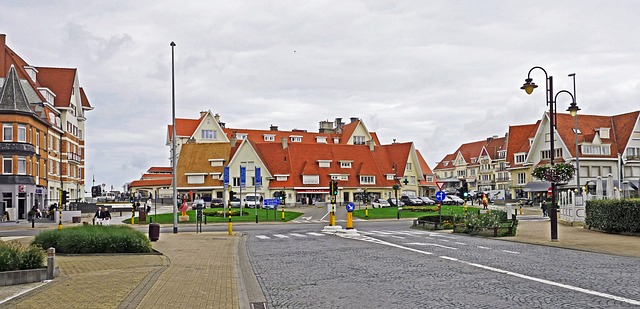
271	203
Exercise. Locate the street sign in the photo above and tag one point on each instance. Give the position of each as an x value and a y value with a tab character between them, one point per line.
226	177
550	191
440	196
271	202
258	178
440	185
350	207
243	177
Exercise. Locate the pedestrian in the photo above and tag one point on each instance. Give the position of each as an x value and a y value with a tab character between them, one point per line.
106	216
485	202
5	217
98	216
544	209
148	206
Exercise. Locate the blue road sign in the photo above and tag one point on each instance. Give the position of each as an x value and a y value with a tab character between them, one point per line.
350	207
243	177
226	177
440	196
271	202
258	178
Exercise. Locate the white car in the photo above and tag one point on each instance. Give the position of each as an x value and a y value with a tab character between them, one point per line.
456	199
393	202
379	203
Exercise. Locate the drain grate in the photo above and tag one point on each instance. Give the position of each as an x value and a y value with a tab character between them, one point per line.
258	305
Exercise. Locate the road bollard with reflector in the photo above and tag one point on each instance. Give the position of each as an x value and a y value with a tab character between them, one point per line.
230	226
282	213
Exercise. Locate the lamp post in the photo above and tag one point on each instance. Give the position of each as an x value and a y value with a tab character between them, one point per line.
528	87
173	143
573	110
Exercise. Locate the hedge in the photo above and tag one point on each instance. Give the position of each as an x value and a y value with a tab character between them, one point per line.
614	216
95	239
15	256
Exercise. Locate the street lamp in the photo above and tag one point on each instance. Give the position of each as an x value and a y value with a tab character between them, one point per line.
573	110
528	87
173	143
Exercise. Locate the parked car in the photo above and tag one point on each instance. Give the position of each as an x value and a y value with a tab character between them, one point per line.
253	200
447	200
379	203
216	202
427	201
235	202
456	200
411	200
198	203
393	202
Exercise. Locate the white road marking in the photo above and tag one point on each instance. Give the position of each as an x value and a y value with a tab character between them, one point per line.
297	235
518	275
306	218
507	251
394	236
315	234
263	237
280	236
460	243
481	247
428	244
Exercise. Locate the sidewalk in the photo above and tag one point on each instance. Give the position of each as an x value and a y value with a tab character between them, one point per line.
212	270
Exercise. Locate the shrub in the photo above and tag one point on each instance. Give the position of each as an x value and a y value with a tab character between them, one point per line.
95	239
484	223
615	216
15	256
420	208
220	213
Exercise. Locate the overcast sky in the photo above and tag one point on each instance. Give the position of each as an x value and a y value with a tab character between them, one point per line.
438	73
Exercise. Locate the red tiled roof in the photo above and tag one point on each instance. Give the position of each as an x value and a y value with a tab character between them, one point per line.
519	140
184	127
474	150
150	182
155	176
84	100
160	169
60	81
426	170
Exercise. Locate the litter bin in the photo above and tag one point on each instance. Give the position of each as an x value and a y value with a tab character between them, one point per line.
142	217
76	219
154	231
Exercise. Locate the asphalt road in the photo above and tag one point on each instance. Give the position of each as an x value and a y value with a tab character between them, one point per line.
393	266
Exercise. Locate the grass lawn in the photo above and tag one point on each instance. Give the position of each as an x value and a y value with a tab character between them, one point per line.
248	216
392	212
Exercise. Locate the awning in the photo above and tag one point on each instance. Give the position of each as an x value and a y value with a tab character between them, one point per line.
537	186
312	191
633	184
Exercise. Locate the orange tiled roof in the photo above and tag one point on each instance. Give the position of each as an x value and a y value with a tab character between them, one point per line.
519	136
155	176
150	182
60	81
474	150
83	98
194	158
426	170
160	169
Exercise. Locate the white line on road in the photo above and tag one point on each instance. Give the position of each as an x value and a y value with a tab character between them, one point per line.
507	251
522	276
315	234
263	237
482	247
297	235
280	236
460	243
428	244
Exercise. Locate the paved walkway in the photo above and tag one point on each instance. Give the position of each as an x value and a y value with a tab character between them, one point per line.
211	270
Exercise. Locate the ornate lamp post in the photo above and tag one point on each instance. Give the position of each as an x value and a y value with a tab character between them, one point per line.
528	87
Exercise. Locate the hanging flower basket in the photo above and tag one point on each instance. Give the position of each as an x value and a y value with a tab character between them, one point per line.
561	172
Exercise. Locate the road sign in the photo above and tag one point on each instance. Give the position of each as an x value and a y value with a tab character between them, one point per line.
226	176
243	177
440	185
258	178
271	202
440	196
350	207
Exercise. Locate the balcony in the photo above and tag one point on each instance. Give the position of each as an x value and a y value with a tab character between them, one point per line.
74	157
632	157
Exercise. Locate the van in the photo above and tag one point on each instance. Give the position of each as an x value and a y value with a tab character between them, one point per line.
252	200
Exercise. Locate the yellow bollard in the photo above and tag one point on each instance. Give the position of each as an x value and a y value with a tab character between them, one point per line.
282	213
349	220
332	219
230	227
366	211
521	209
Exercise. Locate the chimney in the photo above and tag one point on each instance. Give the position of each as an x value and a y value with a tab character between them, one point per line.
233	139
273	128
353	119
217	117
3	41
338	123
371	144
284	143
202	113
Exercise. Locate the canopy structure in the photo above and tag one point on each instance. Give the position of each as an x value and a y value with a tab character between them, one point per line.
537	186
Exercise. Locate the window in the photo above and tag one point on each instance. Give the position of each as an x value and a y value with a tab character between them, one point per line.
7	165
282	177
595	171
462	173
7	132
269	137
295	138
241	136
604	133
345	164
358	140
22	133
502	154
596	149
633	153
520	157
474	160
37	171
546	154
429	178
390	176
311	179
195	179
606	170
22	165
324	163
209	134
321	139
368	180
408	167
547	137
236	181
37	141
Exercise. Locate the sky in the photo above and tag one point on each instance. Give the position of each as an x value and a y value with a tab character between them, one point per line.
438	73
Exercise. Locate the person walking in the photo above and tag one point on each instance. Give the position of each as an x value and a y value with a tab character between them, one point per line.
485	202
106	216
98	216
544	209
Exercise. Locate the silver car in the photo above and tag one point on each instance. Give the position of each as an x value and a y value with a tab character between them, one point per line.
427	201
379	203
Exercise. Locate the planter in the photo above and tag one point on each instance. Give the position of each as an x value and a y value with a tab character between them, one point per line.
25	276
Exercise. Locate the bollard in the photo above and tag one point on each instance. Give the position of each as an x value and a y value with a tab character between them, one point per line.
332	219
366	211
349	221
282	213
51	263
230	227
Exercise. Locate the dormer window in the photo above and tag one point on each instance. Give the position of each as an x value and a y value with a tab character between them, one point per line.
520	157
336	140
445	163
241	136
32	72
269	137
321	139
390	176
216	162
358	140
474	160
295	138
367	180
604	133
282	177
345	164
324	163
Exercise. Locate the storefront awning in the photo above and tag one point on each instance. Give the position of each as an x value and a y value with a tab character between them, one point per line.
537	186
312	191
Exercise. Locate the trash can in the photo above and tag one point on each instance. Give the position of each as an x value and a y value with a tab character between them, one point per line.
76	219
154	231
142	217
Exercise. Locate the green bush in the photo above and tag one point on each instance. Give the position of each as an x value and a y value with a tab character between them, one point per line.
15	256
220	213
614	216
420	208
483	224
95	239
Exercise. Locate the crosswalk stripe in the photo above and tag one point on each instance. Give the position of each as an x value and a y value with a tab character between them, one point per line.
297	235
315	234
280	236
263	237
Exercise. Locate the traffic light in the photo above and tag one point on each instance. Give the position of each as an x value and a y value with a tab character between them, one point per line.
333	187
282	195
232	194
65	197
276	194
